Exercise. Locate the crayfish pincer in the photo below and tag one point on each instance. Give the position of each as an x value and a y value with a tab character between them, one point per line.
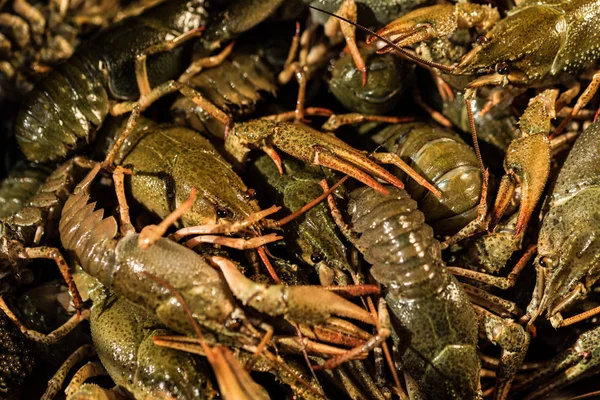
120	264
308	145
538	43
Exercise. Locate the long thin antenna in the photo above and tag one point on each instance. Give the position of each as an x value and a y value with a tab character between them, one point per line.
404	52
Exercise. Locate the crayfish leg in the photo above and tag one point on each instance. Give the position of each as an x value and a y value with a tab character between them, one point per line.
227	227
491	301
583	100
348	11
54	254
151	233
335	121
235	243
383	333
89	370
119	181
82	353
497	281
169	87
207	62
514	341
51	337
141	73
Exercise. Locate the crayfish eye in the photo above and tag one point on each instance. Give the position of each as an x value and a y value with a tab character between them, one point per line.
233	324
316	257
503	67
251	193
547	262
221	212
481	40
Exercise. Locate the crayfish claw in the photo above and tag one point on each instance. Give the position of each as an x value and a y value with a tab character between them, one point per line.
272	153
435	22
419	25
327	159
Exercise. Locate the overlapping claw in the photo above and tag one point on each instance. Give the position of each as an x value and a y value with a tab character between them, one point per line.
527	164
435	22
527	161
309	145
310	304
421	24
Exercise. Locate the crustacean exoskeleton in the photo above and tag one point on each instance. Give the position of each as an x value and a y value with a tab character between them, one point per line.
24	234
536	44
426	301
567	261
121	265
66	108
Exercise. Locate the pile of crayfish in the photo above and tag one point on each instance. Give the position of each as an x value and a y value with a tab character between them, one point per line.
254	199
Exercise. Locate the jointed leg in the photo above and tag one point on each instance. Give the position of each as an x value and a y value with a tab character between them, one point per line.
226	228
583	100
207	62
151	233
51	337
89	370
497	281
170	87
348	10
54	385
434	114
53	253
335	121
513	340
384	330
118	179
339	219
484	298
141	73
234	243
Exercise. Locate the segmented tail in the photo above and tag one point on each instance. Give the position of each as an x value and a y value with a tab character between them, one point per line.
85	232
400	246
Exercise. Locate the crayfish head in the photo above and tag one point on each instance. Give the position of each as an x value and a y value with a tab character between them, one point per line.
501	55
569	252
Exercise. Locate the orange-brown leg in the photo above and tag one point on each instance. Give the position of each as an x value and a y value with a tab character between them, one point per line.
583	100
89	370
207	62
335	121
51	337
82	353
141	73
54	254
348	11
